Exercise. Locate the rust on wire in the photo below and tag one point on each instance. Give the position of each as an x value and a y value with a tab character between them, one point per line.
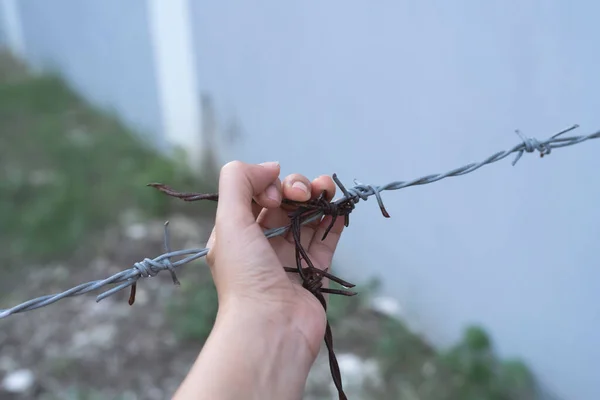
311	276
301	213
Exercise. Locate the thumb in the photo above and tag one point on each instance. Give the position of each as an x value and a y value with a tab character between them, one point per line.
239	182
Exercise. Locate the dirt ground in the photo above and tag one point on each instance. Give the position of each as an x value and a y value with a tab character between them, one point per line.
108	346
80	349
77	348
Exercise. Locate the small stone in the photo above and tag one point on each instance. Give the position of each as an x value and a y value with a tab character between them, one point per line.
186	227
100	337
428	369
60	272
357	374
100	265
319	376
386	306
19	381
130	216
353	365
136	231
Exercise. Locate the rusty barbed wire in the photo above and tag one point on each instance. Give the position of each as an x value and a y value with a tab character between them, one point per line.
151	267
304	213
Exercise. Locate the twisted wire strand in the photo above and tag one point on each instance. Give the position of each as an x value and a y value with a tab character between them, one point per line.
151	267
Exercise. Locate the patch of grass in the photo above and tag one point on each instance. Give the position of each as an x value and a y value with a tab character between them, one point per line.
400	351
69	170
478	373
469	370
412	368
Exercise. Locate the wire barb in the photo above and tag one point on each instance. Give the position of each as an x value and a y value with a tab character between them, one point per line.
358	192
146	271
531	144
305	213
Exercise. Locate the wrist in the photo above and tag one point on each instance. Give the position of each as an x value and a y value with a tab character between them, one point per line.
276	321
247	336
271	339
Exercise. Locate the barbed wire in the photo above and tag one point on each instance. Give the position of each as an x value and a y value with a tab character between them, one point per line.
151	267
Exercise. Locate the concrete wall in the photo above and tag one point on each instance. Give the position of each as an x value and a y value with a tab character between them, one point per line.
103	48
393	91
383	91
133	58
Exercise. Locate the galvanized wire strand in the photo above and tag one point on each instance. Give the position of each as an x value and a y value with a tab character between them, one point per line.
151	267
145	268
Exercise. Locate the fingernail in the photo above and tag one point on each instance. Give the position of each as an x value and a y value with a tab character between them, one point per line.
272	193
301	186
270	164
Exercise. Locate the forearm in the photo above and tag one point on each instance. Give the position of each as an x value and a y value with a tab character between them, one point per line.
249	357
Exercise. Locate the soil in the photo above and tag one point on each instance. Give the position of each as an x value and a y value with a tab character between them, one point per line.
114	350
109	346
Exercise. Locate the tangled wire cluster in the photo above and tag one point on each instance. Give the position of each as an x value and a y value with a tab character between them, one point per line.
303	213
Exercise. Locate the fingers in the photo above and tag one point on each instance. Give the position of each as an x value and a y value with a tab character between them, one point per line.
270	198
292	190
321	184
321	251
238	184
296	187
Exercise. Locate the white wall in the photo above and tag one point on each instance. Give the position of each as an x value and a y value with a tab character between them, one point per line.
11	33
103	49
393	91
134	58
178	95
383	91
2	27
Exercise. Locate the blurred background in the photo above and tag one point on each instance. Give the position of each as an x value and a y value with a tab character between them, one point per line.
482	287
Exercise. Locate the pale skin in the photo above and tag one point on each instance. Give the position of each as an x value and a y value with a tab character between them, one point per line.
268	329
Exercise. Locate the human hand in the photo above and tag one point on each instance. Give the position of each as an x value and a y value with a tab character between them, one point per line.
247	267
269	328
